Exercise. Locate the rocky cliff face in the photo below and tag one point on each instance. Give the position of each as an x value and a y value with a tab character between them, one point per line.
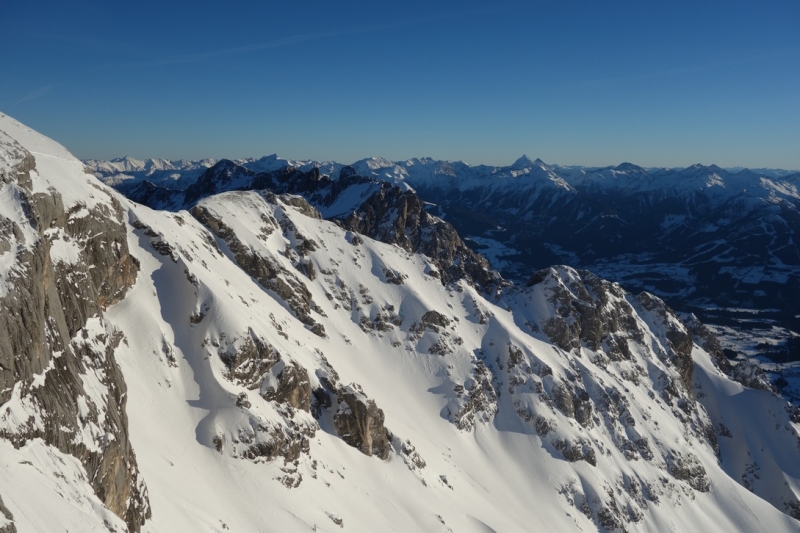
370	207
398	217
59	380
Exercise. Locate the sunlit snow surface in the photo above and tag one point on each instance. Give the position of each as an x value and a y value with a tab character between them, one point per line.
499	476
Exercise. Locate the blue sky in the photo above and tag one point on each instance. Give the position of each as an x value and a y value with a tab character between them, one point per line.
572	82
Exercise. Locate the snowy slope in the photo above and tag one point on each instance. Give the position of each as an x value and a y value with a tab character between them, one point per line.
286	374
415	388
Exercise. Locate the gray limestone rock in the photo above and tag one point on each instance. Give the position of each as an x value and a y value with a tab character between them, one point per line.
268	444
687	467
578	450
398	217
434	320
248	365
10	527
359	422
745	372
300	203
574	402
480	398
583	314
289	386
677	335
46	310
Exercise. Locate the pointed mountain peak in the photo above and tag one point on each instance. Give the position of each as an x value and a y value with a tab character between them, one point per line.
224	163
527	162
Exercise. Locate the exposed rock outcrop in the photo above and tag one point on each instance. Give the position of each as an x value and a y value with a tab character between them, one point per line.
72	263
576	451
388	213
257	366
479	400
583	311
248	365
395	216
9	526
574	402
359	422
288	384
357	419
678	337
687	467
746	372
265	270
598	313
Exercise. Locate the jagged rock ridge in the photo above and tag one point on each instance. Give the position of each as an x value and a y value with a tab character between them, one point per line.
374	208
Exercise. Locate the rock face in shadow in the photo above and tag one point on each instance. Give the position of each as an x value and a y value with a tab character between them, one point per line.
395	216
53	309
385	212
746	372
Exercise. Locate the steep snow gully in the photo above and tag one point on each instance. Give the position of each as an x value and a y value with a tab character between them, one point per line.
317	354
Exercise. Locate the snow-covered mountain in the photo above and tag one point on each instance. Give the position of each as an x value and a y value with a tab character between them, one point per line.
126	172
266	360
715	242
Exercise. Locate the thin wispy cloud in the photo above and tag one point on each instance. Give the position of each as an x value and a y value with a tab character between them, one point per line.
302	38
211	54
38	93
69	39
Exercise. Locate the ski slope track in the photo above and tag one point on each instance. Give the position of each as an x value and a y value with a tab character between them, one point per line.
242	363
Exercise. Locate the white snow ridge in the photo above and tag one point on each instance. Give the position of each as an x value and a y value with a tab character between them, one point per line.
256	367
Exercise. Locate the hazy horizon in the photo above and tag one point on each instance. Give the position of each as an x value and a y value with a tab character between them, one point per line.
731	168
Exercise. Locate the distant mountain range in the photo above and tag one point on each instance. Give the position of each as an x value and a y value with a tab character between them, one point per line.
125	171
694	235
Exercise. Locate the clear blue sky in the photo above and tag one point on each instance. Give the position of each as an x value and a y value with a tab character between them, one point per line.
594	83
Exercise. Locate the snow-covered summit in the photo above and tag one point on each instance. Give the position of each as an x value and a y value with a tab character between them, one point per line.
525	162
